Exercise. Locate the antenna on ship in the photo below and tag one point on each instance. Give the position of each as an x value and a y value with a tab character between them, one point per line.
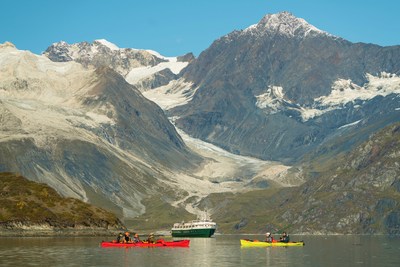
207	218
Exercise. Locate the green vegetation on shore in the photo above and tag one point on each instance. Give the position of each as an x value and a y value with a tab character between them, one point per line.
25	203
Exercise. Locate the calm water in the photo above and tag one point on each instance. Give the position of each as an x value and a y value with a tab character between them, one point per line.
217	251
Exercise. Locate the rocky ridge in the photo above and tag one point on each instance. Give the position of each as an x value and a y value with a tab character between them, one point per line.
146	69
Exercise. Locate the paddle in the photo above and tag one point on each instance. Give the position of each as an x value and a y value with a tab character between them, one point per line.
162	242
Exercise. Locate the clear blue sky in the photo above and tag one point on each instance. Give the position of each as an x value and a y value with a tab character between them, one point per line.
175	27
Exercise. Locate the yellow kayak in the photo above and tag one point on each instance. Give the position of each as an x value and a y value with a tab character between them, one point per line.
257	243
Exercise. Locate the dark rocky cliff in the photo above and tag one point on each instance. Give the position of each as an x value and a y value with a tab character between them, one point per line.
281	50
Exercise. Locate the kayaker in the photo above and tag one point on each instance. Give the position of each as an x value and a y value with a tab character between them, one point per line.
284	238
269	238
150	239
120	238
136	238
127	238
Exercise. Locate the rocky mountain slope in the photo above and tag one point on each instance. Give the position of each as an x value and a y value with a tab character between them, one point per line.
280	88
357	193
353	193
86	132
28	205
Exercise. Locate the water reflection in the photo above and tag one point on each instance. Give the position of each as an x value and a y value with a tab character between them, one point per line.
216	251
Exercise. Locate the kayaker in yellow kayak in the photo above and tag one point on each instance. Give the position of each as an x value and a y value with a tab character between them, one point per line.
269	238
284	238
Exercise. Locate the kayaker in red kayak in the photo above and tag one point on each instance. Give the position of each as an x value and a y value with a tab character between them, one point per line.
136	238
151	239
127	238
120	238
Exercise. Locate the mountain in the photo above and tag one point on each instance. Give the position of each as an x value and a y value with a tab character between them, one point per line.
29	205
86	132
357	192
139	67
282	87
77	118
89	134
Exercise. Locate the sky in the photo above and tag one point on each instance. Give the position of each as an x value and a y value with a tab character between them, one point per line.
176	27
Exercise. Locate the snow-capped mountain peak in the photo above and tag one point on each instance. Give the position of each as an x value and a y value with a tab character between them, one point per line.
107	44
285	23
138	67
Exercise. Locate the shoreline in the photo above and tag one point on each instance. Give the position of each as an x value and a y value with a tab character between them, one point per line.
61	232
58	232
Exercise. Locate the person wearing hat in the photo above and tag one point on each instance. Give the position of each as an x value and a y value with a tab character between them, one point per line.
151	238
127	238
269	238
136	238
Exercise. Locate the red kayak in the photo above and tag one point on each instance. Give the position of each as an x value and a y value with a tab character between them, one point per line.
158	243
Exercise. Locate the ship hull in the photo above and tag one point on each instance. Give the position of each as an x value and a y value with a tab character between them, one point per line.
192	232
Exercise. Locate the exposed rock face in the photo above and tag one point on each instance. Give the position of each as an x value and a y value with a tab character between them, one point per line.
286	51
256	88
189	57
158	79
